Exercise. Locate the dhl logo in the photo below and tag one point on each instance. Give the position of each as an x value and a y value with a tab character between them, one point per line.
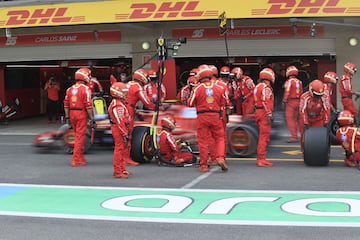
184	9
39	16
285	7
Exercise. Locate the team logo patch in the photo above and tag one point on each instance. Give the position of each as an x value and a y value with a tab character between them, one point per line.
74	91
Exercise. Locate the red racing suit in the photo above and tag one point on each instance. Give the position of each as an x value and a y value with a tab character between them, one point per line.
346	91
292	92
119	116
184	94
170	150
135	93
349	137
329	92
264	105
112	79
77	104
313	111
151	90
208	98
247	95
95	85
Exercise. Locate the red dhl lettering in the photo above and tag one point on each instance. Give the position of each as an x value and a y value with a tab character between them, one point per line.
165	10
304	6
37	16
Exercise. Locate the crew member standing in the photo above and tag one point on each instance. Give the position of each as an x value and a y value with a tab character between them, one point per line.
119	116
208	99
151	88
291	98
245	91
185	91
136	93
78	108
330	79
53	105
346	90
264	105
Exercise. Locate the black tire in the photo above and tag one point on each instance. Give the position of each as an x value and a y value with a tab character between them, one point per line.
316	146
333	127
69	138
142	147
242	139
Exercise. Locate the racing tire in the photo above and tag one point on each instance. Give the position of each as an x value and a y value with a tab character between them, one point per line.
69	138
242	139
333	127
316	146
142	147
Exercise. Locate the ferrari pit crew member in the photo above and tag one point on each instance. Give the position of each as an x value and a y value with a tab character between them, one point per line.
136	93
264	105
95	86
314	107
349	137
151	88
291	98
170	150
244	91
185	91
119	117
78	108
208	99
346	89
330	79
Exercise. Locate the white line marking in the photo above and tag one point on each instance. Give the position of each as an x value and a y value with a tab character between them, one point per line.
199	179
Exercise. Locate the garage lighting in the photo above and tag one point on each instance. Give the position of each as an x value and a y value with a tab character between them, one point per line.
145	45
353	41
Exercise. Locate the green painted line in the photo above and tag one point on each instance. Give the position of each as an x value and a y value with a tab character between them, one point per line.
236	207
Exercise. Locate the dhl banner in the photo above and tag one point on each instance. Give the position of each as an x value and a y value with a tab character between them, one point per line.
116	11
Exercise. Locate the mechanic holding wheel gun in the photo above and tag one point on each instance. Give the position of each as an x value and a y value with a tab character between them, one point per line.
136	93
264	105
349	137
346	91
169	148
78	108
119	117
314	107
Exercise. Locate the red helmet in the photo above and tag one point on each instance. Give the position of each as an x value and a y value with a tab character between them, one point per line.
316	88
204	71
168	122
345	118
224	71
350	68
141	76
192	81
215	70
83	74
193	72
152	74
267	74
119	90
291	71
238	72
330	77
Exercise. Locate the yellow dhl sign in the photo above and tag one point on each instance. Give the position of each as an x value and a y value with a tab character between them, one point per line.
117	11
